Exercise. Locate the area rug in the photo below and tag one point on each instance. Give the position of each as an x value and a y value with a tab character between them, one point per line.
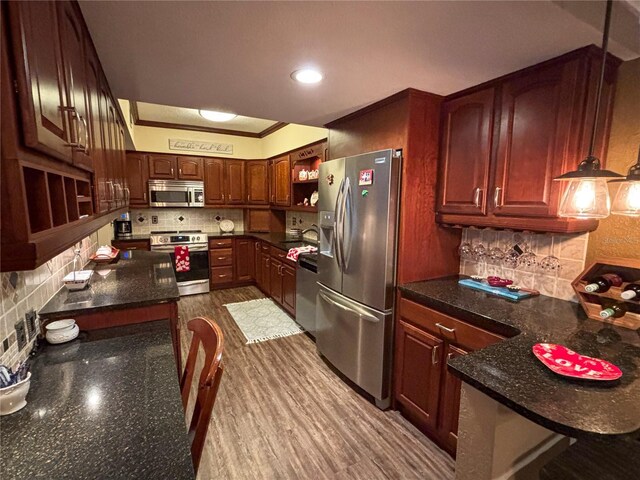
262	320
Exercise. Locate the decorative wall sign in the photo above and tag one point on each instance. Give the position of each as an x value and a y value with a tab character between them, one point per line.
196	146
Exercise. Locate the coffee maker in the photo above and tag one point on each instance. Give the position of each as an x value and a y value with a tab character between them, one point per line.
122	226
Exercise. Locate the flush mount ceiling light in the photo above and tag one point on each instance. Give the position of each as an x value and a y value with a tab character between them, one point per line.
587	195
627	200
307	75
217	116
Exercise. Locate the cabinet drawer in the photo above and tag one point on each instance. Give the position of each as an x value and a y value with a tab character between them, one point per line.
221	257
448	328
281	255
220	242
221	275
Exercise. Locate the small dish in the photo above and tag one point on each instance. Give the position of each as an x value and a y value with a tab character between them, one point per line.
61	331
226	226
563	361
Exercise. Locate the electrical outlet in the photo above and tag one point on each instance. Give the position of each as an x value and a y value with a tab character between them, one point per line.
21	334
293	221
5	344
154	219
30	318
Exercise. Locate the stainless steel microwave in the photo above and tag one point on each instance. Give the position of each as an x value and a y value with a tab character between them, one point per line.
176	193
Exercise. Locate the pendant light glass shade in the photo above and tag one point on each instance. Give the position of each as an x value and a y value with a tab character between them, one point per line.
586	198
627	199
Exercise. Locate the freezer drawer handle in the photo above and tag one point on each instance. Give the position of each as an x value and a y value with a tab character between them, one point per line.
347	309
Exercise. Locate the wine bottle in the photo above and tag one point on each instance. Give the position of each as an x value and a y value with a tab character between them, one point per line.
614	311
631	292
603	283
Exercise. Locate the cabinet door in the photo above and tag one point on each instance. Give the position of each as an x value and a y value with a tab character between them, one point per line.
275	280
163	167
40	76
289	289
281	182
257	173
234	182
253	260
534	134
417	374
190	168
450	402
97	146
243	254
137	176
108	141
214	181
465	153
264	280
73	60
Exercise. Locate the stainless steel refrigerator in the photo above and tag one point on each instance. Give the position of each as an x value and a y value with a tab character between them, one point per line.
358	212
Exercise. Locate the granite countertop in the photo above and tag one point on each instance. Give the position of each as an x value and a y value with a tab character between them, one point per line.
277	239
509	372
83	419
137	279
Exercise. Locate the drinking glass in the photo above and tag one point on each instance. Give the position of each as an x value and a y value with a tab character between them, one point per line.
466	250
528	259
549	264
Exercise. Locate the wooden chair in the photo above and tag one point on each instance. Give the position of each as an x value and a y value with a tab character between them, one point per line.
207	332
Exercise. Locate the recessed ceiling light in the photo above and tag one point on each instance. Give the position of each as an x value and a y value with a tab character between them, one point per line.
217	116
307	75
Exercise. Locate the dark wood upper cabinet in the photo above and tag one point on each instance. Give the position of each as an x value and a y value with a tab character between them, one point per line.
137	175
214	181
534	134
450	402
73	60
281	181
466	153
234	182
257	173
537	128
40	77
190	168
419	357
163	167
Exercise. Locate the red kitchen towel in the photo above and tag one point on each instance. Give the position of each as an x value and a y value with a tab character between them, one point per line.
182	258
295	252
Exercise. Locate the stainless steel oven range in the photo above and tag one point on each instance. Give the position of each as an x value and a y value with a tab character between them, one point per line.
196	280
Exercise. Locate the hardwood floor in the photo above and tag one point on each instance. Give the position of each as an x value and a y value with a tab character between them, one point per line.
281	413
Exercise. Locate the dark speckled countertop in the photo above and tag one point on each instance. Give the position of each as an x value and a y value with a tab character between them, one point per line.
137	279
106	405
509	372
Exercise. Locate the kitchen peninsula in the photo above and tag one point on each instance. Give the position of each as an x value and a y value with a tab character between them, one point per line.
139	287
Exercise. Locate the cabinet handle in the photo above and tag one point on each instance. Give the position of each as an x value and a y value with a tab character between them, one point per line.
172	171
273	199
496	197
449	355
476	196
267	262
446	329
221	276
144	196
434	356
180	171
221	258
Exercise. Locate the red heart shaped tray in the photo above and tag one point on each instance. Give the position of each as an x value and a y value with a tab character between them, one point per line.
566	362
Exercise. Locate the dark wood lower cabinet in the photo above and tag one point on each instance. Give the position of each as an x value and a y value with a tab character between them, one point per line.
264	276
425	391
244	260
418	371
276	280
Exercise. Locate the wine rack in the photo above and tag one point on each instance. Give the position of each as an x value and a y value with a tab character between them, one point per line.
594	302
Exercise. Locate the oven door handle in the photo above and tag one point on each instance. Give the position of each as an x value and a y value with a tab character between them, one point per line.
171	248
193	282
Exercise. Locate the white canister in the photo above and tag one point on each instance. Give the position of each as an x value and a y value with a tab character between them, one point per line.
12	398
61	331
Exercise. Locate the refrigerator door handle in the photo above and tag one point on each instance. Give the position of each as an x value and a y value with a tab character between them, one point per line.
337	237
362	315
346	216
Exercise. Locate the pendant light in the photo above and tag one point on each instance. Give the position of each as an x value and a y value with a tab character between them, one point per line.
587	195
627	200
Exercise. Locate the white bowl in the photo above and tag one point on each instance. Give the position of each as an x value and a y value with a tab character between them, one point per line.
77	280
61	331
12	398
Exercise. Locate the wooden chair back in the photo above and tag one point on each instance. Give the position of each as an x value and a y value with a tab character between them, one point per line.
209	334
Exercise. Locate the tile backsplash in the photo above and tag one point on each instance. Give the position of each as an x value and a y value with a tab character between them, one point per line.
570	250
302	220
32	289
205	219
